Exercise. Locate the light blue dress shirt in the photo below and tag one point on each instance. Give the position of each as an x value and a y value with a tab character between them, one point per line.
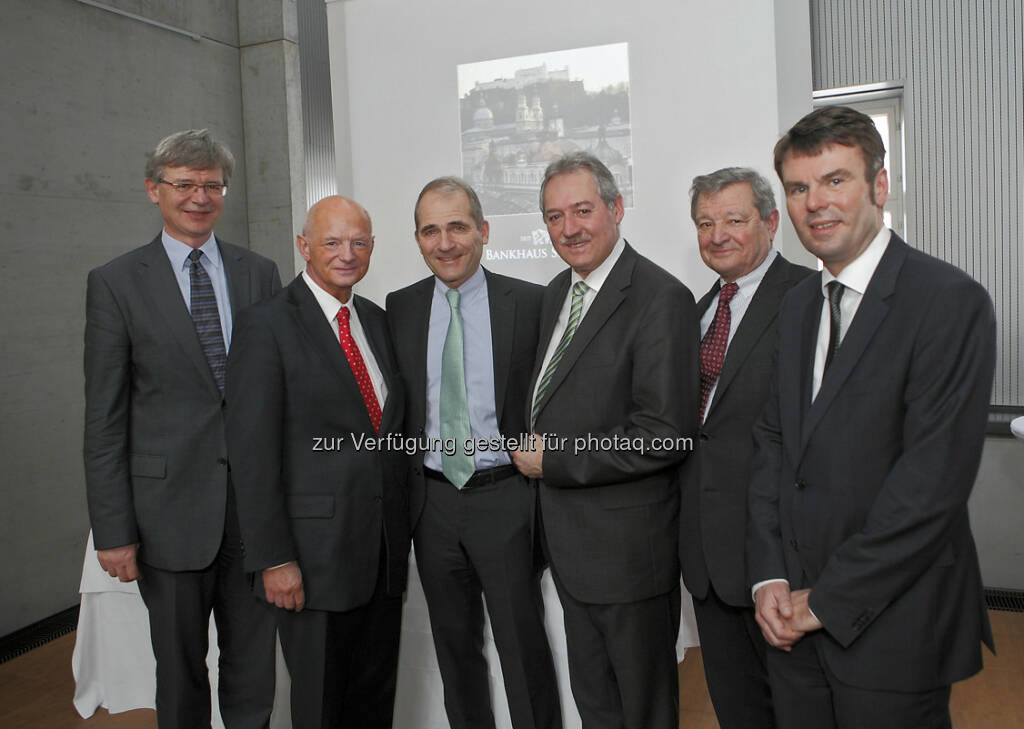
478	355
178	253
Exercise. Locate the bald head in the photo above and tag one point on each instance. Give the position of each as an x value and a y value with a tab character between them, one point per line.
336	243
334	205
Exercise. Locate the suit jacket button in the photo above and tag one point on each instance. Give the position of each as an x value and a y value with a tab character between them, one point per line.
704	436
222	461
795	545
800	484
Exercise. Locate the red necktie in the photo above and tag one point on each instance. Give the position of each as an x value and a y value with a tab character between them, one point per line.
355	361
712	349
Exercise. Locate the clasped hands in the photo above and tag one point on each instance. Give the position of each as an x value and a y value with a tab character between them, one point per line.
784	616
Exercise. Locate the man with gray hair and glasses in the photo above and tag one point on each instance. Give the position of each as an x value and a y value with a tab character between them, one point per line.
161	501
736	218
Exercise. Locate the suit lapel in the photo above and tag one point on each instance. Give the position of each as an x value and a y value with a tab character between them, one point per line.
416	334
318	330
870	314
604	305
794	368
554	297
236	269
761	312
160	283
502	307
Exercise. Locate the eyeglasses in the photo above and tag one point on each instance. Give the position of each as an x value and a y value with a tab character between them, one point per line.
213	189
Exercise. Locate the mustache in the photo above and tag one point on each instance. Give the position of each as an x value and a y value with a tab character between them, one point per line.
580	237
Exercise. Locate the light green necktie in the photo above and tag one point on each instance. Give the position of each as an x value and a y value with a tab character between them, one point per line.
579	290
454	410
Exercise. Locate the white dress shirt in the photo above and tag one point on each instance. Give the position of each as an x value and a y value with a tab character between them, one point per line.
331	306
594	280
737	308
855	277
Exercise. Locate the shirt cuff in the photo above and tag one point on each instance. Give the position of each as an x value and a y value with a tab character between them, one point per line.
757	586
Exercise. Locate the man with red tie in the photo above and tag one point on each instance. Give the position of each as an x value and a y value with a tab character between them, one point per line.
313	391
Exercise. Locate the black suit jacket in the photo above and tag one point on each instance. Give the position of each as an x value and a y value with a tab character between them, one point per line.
515	317
610	515
862	495
713	511
156	464
308	488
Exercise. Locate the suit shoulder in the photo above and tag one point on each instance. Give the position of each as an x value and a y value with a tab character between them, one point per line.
406	295
519	287
652	276
254	258
368	307
124	262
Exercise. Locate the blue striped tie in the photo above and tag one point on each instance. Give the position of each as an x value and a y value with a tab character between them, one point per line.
579	290
206	318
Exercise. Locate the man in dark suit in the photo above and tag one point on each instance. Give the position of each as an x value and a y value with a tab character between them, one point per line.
614	407
161	499
736	218
866	453
465	340
314	401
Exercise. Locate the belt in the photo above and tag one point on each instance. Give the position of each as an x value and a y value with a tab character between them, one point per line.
479	478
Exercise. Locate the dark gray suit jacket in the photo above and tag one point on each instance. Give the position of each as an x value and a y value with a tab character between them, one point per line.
308	489
862	495
156	464
713	511
515	318
610	515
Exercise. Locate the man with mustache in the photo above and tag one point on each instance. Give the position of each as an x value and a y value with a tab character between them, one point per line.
614	399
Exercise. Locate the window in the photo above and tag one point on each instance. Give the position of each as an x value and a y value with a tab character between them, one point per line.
884	104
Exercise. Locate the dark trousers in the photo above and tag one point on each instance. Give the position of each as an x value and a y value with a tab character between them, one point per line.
807	694
344	665
622	661
179	605
481	540
733	650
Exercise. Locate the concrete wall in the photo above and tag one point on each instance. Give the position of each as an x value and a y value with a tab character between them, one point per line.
87	94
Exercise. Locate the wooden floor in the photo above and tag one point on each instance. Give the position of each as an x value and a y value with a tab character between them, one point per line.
36	689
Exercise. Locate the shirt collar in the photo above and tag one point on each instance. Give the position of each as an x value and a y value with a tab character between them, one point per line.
748	283
857	274
596	278
328	304
469	288
178	252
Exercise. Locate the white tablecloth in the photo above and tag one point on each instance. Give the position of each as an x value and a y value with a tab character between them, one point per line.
114	667
1017	427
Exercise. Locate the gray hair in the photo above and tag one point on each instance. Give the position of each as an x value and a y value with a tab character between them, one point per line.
193	148
450	185
764	198
573	161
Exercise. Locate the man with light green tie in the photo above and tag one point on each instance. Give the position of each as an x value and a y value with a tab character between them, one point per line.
465	339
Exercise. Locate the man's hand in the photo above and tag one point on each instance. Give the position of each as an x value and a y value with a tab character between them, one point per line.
283	586
773	609
803	620
120	562
529	461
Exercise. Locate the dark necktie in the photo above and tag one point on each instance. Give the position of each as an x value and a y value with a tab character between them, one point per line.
203	305
835	296
358	366
712	348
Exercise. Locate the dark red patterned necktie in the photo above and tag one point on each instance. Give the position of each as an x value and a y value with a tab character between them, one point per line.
712	349
355	361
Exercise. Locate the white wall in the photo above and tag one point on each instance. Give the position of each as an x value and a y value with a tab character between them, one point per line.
704	94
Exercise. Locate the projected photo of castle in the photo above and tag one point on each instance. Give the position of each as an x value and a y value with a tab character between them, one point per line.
520	113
